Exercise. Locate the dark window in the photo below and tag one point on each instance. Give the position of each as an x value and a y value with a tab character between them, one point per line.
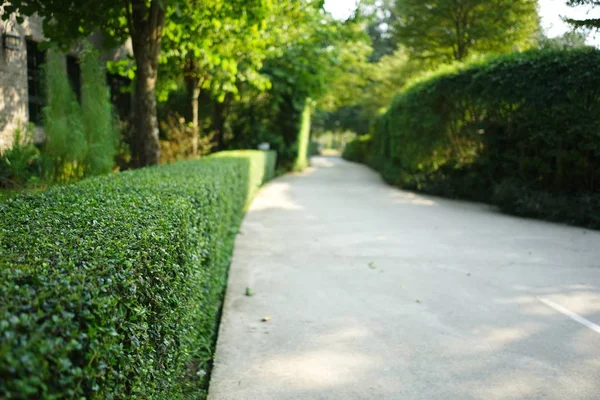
35	59
74	74
120	95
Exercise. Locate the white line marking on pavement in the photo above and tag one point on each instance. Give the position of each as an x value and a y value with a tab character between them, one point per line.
571	314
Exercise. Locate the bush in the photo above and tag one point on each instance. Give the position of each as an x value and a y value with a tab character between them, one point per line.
531	117
20	164
101	126
358	150
110	288
66	145
516	198
82	140
182	141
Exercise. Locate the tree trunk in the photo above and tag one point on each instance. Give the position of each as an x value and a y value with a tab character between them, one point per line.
145	149
219	120
146	24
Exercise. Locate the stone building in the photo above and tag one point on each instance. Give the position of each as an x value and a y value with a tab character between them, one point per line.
21	59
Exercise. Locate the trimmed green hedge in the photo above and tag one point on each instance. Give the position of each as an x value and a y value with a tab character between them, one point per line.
529	121
111	288
358	150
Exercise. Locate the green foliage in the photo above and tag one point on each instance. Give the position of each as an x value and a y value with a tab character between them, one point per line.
386	78
448	30
305	61
517	198
66	21
182	141
20	164
381	18
66	146
100	125
369	87
531	117
82	140
303	138
358	150
261	165
567	41
589	23
110	288
343	119
334	141
215	44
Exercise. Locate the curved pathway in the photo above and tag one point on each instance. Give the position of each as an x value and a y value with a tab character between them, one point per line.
376	293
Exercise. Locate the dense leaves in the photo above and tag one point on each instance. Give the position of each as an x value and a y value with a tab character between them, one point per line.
306	62
590	23
81	139
20	164
446	30
143	21
110	288
527	122
358	150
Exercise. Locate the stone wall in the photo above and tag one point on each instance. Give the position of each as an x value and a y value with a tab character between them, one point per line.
14	110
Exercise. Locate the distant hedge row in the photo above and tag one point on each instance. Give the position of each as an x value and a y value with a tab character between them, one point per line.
522	131
358	150
110	288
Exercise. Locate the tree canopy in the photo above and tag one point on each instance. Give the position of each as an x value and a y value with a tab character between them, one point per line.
144	21
590	23
447	30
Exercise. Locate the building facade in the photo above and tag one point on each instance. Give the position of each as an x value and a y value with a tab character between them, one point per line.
20	86
21	91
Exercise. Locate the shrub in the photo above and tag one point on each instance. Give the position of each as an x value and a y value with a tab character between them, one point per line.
66	146
358	150
517	198
100	123
531	117
82	140
110	288
20	164
182	141
280	116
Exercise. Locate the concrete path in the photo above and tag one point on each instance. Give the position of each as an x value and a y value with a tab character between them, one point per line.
375	293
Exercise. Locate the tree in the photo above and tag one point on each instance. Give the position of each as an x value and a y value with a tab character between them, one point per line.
381	17
590	23
213	45
143	21
307	53
452	30
386	78
569	40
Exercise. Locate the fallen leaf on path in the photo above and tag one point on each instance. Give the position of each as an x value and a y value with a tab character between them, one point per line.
266	319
